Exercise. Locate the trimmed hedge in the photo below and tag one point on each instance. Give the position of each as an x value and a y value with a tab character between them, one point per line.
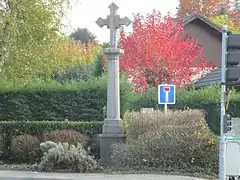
52	101
37	128
12	129
207	99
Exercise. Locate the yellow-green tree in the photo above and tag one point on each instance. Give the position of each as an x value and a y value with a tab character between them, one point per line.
31	43
225	20
77	53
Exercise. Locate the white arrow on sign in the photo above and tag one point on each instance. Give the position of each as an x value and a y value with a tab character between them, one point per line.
166	90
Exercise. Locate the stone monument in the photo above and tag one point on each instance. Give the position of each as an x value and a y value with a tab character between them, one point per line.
113	125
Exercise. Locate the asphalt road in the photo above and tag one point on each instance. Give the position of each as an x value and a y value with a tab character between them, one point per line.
21	175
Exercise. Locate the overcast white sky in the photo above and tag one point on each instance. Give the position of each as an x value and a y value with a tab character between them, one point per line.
85	13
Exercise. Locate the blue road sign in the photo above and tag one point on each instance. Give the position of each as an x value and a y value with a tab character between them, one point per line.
166	94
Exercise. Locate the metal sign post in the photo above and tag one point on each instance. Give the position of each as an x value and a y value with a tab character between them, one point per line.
222	144
166	90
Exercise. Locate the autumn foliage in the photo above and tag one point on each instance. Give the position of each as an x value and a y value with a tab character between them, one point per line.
158	52
205	8
52	58
228	14
226	20
77	52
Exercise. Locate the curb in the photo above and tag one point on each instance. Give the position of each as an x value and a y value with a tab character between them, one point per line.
28	175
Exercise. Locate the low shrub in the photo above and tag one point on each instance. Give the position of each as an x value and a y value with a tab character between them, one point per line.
25	148
45	146
187	122
66	135
178	141
11	129
62	156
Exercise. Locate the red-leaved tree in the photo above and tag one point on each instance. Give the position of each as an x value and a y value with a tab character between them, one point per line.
210	8
158	52
207	8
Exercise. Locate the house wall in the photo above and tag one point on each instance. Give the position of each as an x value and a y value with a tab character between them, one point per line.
209	38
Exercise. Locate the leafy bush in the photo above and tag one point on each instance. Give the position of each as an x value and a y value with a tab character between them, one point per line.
53	101
99	65
25	148
82	71
45	146
79	73
187	122
12	129
178	141
207	99
66	135
67	157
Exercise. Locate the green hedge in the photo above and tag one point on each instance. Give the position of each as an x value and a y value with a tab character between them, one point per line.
11	129
52	101
207	99
37	128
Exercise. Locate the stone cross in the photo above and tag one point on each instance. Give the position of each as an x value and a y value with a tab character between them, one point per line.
113	125
113	22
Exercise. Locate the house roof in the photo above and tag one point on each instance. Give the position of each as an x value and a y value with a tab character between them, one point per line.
212	78
195	16
190	18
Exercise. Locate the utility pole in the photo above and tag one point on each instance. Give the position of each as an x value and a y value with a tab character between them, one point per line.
230	77
222	144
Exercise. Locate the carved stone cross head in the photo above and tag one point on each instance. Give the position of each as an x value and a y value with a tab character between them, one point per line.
113	21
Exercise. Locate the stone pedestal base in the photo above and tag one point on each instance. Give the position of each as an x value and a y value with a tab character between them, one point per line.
113	126
106	141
